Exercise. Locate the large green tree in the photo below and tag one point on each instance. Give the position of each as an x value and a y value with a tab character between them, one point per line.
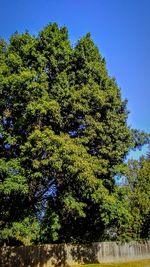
63	138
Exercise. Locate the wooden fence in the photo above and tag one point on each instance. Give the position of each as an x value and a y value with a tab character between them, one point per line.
68	254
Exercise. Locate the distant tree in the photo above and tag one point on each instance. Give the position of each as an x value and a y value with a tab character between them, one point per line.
139	195
63	137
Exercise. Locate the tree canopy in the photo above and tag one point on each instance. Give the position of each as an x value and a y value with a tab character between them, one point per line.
63	139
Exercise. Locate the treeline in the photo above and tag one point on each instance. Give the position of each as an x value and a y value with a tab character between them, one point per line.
63	142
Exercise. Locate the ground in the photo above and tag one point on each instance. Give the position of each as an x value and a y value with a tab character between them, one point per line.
141	263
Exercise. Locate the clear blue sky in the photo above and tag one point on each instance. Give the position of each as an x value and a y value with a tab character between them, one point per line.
120	28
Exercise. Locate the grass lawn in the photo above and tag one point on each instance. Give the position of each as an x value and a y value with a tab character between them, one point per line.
141	263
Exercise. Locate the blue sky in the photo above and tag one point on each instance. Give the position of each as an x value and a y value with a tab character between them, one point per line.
120	29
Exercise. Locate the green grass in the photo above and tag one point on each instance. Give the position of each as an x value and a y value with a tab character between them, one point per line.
141	263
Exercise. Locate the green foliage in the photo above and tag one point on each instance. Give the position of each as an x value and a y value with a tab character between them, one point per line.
12	178
138	178
63	138
26	231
